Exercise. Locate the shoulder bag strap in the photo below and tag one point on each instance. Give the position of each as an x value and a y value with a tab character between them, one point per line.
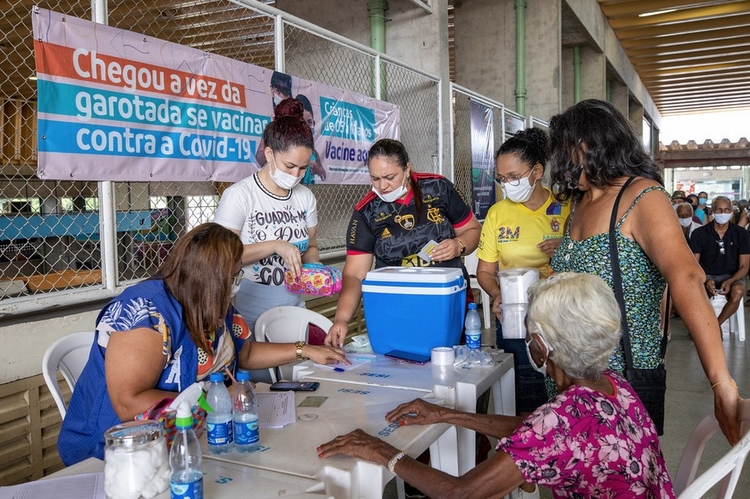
617	277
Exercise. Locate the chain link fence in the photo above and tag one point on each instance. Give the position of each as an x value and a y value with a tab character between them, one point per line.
50	252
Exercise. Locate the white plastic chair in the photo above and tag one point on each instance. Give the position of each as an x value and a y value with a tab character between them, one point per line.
69	354
287	325
726	470
470	262
736	323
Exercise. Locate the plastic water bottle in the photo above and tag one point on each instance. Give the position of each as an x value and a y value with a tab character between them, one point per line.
245	414
219	422
473	326
186	481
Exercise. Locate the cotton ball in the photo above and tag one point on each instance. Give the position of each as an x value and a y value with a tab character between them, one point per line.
159	483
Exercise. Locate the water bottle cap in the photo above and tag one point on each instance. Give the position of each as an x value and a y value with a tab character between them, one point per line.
472	306
243	375
217	376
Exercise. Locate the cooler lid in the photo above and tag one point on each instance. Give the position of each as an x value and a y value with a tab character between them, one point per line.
438	275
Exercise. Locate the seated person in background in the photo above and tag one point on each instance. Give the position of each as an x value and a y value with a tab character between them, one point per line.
163	334
594	439
687	219
723	251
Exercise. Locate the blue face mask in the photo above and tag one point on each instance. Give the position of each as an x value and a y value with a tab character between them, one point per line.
702	201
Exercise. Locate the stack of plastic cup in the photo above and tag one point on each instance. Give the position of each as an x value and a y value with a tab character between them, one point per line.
514	287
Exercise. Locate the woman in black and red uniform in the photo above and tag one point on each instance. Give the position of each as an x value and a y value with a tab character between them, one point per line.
404	211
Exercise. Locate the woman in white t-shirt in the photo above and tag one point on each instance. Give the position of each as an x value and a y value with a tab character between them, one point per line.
275	217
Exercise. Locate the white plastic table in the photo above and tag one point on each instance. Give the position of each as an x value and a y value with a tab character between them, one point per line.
344	407
221	480
457	387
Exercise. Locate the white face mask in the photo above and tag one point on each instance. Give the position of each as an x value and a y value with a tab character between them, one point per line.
519	193
283	179
276	99
235	289
685	222
394	194
722	218
543	368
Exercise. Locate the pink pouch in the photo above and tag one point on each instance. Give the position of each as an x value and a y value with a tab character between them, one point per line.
315	279
159	412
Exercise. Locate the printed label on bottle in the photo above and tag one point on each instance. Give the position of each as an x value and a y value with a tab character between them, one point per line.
219	433
192	490
246	433
473	341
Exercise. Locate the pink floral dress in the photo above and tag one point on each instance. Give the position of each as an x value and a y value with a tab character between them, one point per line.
584	443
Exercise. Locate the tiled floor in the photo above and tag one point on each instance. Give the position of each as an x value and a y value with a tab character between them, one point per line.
689	399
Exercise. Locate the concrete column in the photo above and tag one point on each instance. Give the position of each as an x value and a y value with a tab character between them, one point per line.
543	55
593	74
619	96
636	116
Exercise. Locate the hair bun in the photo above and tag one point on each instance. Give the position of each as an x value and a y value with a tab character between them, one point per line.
289	107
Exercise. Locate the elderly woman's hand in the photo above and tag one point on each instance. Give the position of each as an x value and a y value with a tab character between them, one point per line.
416	412
726	397
324	354
358	444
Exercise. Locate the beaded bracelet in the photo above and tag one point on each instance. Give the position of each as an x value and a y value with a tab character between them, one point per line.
394	460
730	381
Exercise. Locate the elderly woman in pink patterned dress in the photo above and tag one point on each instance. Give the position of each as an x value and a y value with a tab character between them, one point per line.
594	439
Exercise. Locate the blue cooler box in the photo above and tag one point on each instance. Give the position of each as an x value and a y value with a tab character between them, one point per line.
414	309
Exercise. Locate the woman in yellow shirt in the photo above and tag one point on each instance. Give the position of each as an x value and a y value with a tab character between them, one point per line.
521	230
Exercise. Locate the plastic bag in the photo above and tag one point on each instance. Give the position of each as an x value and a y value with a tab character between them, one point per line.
359	344
466	359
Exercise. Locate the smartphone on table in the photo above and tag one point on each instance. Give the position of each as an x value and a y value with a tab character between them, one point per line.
414	358
295	386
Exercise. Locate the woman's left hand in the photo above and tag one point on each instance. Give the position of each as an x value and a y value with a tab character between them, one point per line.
358	444
324	354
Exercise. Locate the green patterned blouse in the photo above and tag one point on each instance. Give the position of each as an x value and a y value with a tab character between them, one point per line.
643	285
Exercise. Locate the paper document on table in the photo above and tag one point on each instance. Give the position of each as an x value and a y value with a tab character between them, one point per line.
84	486
276	409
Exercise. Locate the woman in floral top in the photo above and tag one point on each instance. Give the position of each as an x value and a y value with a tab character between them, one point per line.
594	439
163	334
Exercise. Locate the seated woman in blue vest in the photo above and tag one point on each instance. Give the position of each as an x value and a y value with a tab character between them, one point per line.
165	333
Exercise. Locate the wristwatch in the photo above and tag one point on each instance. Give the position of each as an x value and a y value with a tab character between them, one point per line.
299	345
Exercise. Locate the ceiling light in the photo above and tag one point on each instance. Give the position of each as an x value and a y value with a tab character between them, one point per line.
656	12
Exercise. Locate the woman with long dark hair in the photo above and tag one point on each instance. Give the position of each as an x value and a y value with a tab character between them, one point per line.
595	151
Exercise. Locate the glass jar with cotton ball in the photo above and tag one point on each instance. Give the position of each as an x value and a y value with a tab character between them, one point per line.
135	460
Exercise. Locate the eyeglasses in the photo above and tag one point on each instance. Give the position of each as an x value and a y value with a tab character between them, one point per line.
237	278
721	247
513	180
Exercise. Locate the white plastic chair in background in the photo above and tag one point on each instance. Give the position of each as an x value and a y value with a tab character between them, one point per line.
736	323
470	262
69	354
287	325
725	471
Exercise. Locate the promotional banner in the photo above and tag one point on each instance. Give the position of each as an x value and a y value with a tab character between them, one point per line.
117	105
482	163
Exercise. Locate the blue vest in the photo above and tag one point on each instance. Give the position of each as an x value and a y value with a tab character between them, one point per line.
90	412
